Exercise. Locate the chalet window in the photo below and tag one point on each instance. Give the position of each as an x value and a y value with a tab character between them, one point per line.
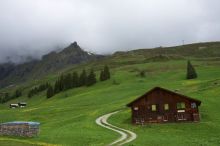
154	107
180	117
135	108
193	105
180	105
166	107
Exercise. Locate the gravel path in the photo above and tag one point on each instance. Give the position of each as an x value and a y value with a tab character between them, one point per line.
126	135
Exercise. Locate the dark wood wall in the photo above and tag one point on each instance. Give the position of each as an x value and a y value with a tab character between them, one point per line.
144	114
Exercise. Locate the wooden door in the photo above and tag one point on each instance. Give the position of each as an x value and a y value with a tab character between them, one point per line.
159	119
196	117
165	118
180	117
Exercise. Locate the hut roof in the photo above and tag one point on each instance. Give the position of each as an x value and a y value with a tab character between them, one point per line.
20	123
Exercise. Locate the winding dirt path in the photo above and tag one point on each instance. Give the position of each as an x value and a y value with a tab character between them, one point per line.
126	135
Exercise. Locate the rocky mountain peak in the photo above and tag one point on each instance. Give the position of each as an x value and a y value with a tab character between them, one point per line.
74	45
73	48
51	62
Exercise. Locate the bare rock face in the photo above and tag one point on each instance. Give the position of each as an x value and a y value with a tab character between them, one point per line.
6	69
75	45
51	62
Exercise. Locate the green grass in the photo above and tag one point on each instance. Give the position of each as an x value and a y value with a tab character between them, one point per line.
12	143
69	118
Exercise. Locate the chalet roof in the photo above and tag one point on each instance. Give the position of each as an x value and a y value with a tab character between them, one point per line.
168	91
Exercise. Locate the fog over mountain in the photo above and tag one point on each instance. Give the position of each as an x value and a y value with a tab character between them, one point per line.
35	27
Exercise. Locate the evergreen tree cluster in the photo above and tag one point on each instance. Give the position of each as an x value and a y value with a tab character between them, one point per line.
6	96
64	82
17	93
105	74
191	72
70	81
38	89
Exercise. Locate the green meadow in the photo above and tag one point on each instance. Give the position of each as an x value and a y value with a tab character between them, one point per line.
69	118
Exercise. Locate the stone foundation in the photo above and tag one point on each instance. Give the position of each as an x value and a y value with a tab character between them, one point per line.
23	129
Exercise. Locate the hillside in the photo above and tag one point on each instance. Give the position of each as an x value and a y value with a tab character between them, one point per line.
52	62
69	118
57	62
197	50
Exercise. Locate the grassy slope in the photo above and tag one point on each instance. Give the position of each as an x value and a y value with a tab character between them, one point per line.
69	118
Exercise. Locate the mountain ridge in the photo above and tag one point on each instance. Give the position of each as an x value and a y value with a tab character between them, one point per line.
74	55
11	73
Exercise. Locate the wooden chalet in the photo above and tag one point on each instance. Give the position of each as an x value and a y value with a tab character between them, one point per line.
160	105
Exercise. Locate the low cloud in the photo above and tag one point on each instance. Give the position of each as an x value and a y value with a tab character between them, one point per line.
33	28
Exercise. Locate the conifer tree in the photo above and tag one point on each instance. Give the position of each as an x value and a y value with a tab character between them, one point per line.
35	90
106	73
57	87
61	83
191	72
50	92
18	93
7	96
1	99
142	73
67	81
101	77
91	79
75	79
82	78
30	94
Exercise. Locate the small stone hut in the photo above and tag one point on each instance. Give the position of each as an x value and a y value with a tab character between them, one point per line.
20	128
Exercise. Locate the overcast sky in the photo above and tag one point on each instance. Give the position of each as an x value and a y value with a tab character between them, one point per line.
35	27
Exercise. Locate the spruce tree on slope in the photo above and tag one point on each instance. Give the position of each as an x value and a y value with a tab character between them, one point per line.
91	79
75	80
50	92
101	77
68	81
191	72
57	87
82	78
106	73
